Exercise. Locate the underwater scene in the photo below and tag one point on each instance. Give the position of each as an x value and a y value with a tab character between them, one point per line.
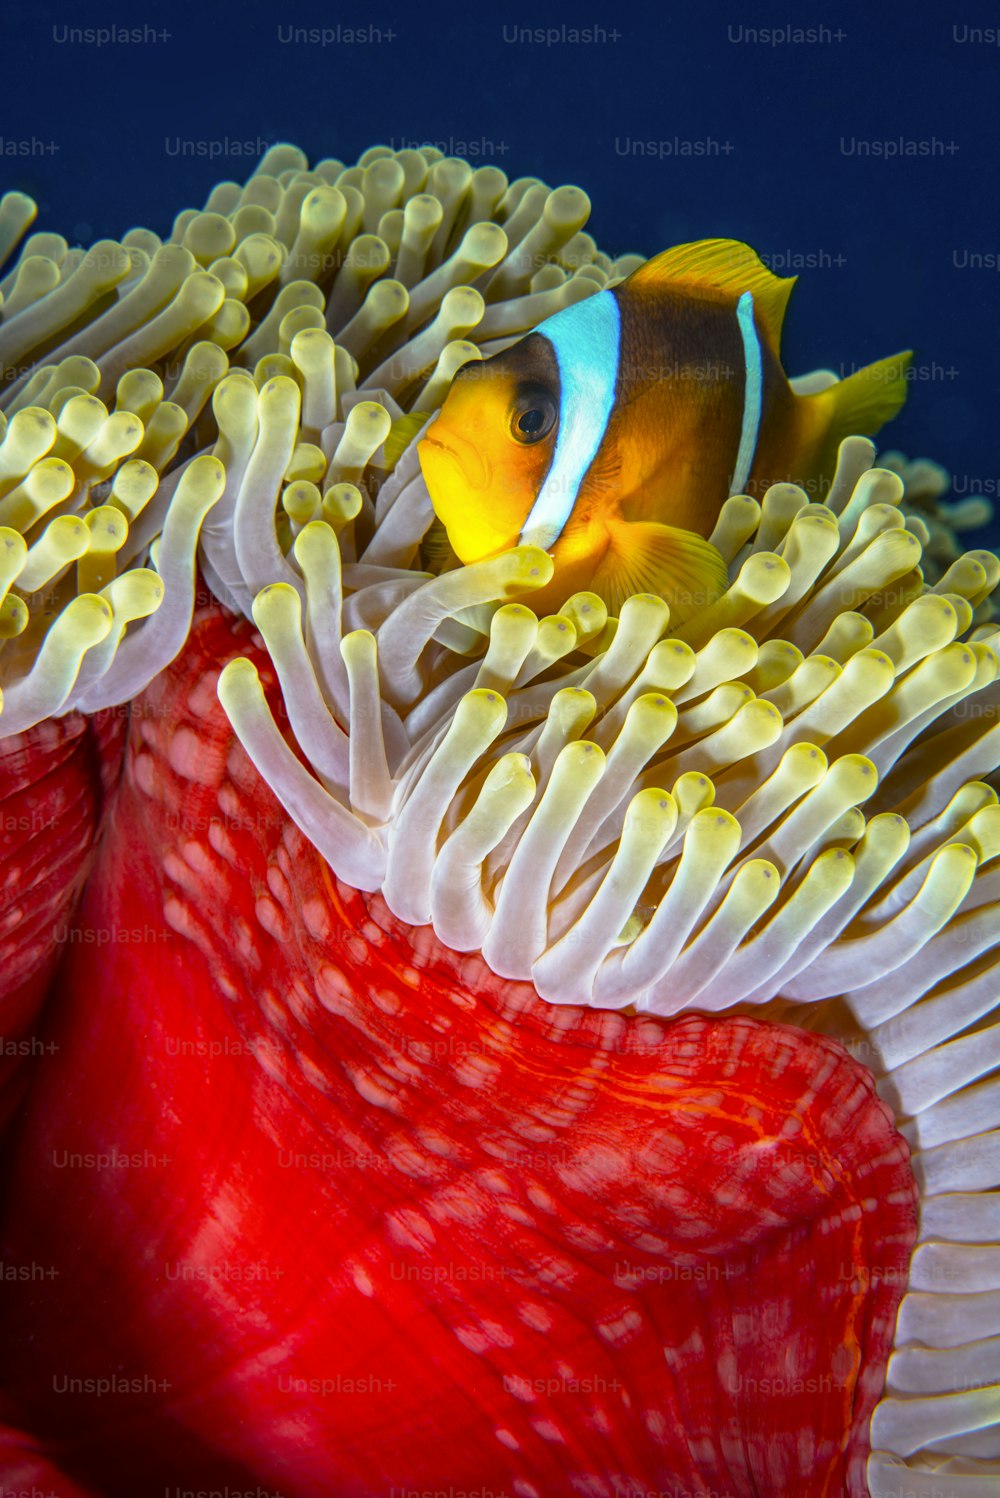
499	755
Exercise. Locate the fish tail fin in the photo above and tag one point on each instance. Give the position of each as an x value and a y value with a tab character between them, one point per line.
858	406
643	556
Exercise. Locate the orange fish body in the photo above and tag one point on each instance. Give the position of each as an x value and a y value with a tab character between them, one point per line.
613	433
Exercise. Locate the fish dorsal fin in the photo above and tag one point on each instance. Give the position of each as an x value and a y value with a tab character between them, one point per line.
725	265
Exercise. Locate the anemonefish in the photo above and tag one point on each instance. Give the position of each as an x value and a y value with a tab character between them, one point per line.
611	435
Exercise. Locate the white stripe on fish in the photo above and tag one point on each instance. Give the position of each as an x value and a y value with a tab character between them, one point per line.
752	394
587	340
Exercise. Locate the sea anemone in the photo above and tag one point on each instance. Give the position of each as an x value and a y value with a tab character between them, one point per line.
946	519
395	924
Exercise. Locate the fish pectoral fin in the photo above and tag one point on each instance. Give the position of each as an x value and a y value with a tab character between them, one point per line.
643	556
725	265
401	434
436	552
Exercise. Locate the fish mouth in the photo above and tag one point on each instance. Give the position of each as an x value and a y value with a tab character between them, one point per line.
471	464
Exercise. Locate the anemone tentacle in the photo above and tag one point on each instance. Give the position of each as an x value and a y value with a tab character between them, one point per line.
786	802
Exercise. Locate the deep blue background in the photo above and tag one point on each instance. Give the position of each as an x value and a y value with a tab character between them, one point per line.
889	237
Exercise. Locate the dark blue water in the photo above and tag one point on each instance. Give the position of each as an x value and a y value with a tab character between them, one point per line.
863	154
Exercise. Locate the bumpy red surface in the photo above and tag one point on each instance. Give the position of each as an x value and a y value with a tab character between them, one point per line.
302	1201
54	786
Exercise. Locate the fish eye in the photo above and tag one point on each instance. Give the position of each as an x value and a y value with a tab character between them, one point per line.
533	416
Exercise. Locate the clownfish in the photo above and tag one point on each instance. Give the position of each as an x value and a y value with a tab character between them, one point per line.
612	434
